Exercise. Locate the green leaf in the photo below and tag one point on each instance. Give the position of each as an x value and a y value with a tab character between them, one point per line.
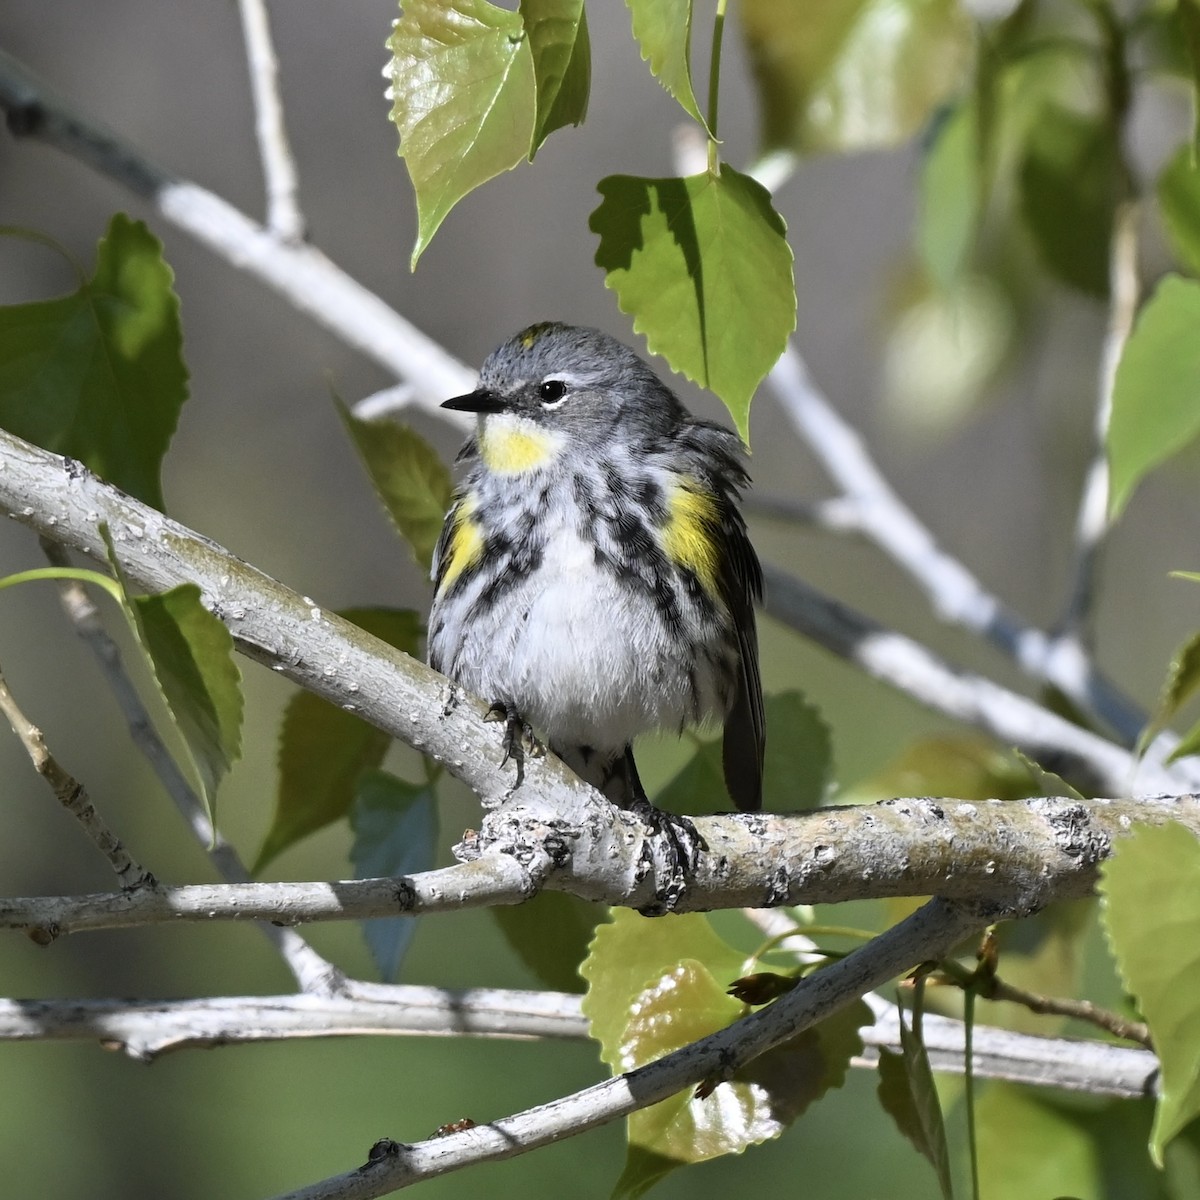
1188	744
1178	192
950	196
909	1096
1069	183
464	100
1155	413
631	953
551	934
98	375
408	476
663	29
762	1099
395	833
190	656
658	984
798	767
1150	888
683	255
323	749
852	74
191	653
1181	684
562	64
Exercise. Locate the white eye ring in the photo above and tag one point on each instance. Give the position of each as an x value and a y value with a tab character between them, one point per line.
554	393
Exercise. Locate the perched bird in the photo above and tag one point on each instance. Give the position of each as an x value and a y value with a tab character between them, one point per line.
594	579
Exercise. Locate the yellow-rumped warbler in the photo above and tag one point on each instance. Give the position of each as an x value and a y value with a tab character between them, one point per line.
594	578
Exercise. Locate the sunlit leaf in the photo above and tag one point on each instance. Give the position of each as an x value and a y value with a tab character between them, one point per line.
1150	887
395	833
464	100
683	255
98	375
663	29
558	36
323	749
409	478
1155	413
851	74
650	994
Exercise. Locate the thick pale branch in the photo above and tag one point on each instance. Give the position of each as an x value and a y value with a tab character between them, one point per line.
928	933
1011	856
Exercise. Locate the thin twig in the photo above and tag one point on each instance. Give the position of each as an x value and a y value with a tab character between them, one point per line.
929	932
957	596
311	972
1091	523
992	987
72	795
284	218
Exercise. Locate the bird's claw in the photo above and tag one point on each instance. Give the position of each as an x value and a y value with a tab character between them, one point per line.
681	845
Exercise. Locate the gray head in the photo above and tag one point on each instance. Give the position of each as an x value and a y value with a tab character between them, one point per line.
581	381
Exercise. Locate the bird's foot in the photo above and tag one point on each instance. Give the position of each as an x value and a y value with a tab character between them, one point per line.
519	738
680	844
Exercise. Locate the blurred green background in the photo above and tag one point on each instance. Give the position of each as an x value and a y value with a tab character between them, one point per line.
260	463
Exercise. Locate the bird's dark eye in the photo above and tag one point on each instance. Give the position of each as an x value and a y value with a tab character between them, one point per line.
552	391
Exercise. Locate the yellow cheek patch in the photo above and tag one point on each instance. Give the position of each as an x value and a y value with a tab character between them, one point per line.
688	536
512	445
464	547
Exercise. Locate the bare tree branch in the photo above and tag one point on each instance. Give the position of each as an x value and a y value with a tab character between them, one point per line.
1091	523
144	1029
1014	856
72	795
957	595
928	933
907	665
284	218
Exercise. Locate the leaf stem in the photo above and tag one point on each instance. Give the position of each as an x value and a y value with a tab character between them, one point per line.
714	84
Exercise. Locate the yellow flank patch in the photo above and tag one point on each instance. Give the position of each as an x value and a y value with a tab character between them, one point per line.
464	547
688	535
511	445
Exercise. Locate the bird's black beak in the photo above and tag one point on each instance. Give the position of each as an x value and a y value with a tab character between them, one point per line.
478	401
